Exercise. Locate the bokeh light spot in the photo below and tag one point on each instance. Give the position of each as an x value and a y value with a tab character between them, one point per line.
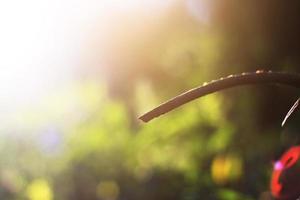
226	168
39	190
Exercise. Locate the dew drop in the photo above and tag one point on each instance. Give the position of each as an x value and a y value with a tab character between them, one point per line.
259	71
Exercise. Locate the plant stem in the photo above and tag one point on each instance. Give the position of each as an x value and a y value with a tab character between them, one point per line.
258	77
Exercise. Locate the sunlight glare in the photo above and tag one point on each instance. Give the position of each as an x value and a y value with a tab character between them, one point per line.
41	45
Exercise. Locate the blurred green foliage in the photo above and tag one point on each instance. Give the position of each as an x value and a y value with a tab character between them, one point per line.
101	151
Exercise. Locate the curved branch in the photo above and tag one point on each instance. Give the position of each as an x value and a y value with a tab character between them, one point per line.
258	77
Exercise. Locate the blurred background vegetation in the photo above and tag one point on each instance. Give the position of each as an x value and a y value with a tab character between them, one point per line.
75	76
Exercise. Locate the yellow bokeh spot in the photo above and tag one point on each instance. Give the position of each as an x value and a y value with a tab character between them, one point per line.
226	168
39	190
108	190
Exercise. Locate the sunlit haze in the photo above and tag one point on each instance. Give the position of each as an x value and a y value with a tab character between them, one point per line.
78	77
41	45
